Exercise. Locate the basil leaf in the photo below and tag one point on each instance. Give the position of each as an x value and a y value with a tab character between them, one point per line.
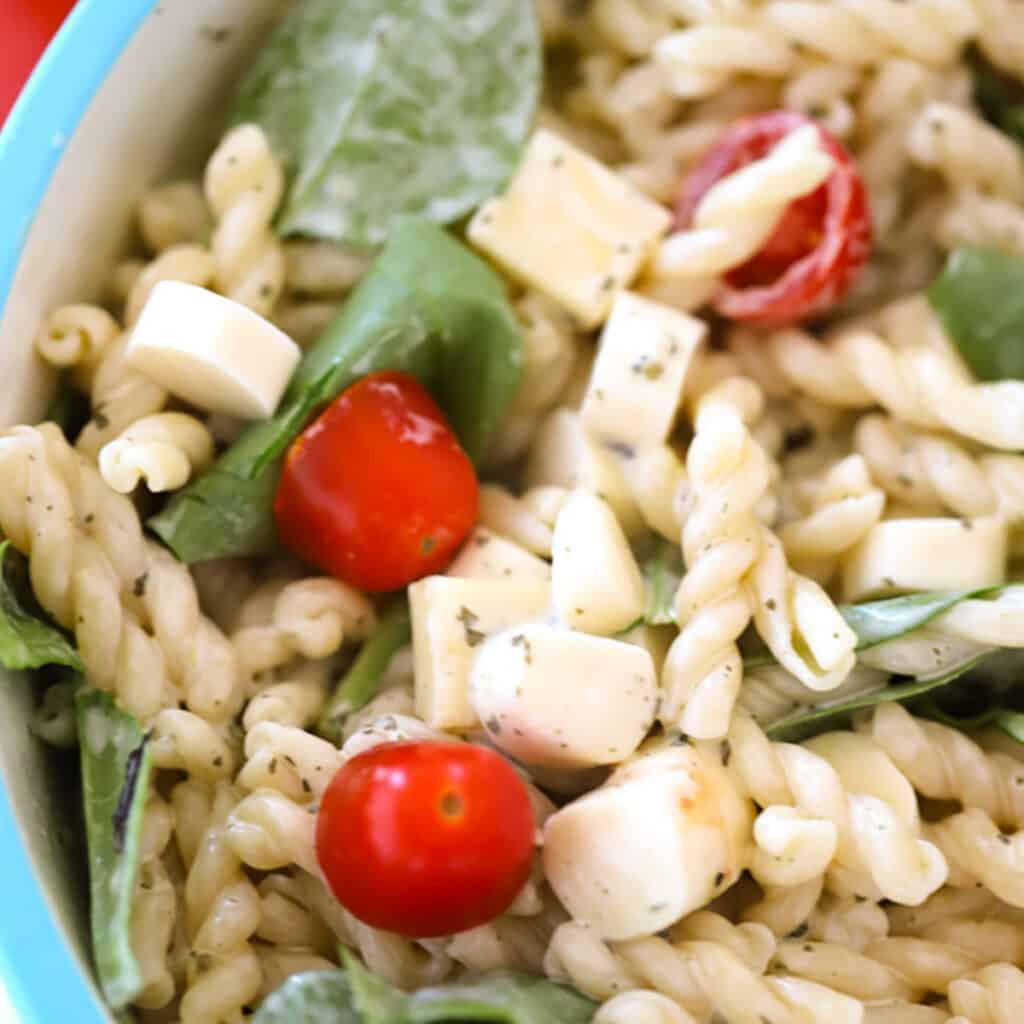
428	306
69	408
979	297
115	783
804	723
379	108
358	686
27	637
663	572
875	622
315	997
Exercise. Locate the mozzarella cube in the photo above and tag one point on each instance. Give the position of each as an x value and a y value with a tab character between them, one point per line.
906	555
595	581
666	834
213	352
565	455
486	556
570	227
551	697
638	376
450	619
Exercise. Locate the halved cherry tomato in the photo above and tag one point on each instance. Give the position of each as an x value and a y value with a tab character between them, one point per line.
820	245
426	838
378	490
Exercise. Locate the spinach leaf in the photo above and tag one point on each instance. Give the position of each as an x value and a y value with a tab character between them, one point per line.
69	408
380	108
315	997
663	572
115	783
875	622
979	297
358	686
428	306
1000	97
27	637
810	722
1012	723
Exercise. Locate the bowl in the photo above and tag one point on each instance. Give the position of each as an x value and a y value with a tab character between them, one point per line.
128	94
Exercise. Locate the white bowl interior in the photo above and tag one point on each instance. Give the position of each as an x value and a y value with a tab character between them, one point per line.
157	116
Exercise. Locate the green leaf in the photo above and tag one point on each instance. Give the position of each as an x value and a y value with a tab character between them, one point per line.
1012	723
358	686
802	724
428	306
379	108
979	297
69	408
115	783
876	622
315	997
27	637
663	572
999	96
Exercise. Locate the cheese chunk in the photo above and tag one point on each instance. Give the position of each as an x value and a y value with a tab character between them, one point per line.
565	455
211	351
552	697
637	381
570	227
596	583
666	834
486	556
907	555
450	618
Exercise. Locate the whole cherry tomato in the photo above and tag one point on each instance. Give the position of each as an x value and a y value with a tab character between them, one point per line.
820	245
378	490
426	838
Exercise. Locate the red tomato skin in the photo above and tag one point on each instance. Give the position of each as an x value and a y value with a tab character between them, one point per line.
394	859
377	491
821	244
28	26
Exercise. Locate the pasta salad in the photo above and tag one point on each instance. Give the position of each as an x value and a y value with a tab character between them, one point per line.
531	533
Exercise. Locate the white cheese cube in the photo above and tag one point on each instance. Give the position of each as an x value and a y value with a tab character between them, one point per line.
666	834
211	351
486	556
595	581
637	381
565	455
570	227
450	619
556	698
906	555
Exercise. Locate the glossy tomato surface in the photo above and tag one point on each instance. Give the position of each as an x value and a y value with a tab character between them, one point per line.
378	491
821	243
426	838
26	27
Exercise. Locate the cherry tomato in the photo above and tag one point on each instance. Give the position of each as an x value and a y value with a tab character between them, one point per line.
426	838
378	490
820	245
27	28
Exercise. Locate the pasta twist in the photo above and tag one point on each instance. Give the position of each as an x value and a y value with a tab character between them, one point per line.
76	335
243	186
528	520
908	368
309	618
992	995
815	821
173	214
164	450
707	966
131	605
739	213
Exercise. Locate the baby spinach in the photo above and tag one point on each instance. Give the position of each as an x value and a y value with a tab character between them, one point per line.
428	306
979	297
355	996
663	571
28	639
1012	723
379	108
358	685
116	765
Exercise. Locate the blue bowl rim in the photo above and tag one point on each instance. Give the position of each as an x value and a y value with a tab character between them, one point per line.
41	975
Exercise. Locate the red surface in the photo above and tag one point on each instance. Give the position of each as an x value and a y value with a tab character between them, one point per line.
426	838
26	26
821	244
378	491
